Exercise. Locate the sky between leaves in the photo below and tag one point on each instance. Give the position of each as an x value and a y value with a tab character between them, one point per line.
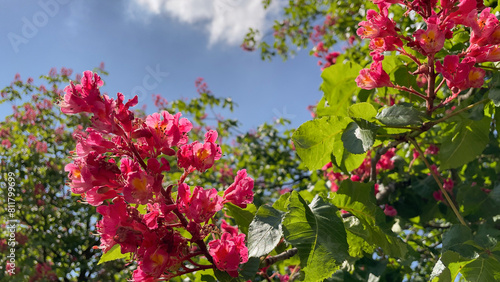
160	47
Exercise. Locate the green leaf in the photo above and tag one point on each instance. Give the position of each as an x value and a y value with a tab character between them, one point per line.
400	115
364	111
318	234
483	268
458	239
494	93
113	254
248	270
358	139
223	276
345	160
282	203
464	142
448	267
243	217
339	85
472	200
323	109
359	199
314	140
264	232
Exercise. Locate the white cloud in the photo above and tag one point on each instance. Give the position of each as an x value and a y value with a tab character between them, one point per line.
225	20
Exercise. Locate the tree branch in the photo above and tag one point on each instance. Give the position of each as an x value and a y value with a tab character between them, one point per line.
283	256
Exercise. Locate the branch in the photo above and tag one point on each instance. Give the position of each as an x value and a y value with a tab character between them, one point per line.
283	256
447	197
411	91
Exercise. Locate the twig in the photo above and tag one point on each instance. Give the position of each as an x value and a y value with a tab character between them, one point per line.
446	196
411	91
432	123
283	256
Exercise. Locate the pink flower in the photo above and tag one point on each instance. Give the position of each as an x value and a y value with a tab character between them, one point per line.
6	143
41	147
229	252
460	76
84	97
140	275
438	196
355	178
431	40
484	53
377	25
90	171
389	43
138	188
97	195
486	29
155	261
432	150
117	227
374	77
240	192
168	130
448	185
199	206
200	156
465	14
390	211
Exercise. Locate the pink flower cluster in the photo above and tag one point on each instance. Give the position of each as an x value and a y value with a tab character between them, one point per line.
386	162
458	70
119	166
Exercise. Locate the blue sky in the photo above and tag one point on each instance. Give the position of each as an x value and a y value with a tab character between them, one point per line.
179	39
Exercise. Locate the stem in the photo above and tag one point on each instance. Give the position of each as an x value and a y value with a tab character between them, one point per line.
202	267
183	177
136	154
403	51
199	242
431	94
411	91
446	196
283	256
490	68
432	123
402	127
440	85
